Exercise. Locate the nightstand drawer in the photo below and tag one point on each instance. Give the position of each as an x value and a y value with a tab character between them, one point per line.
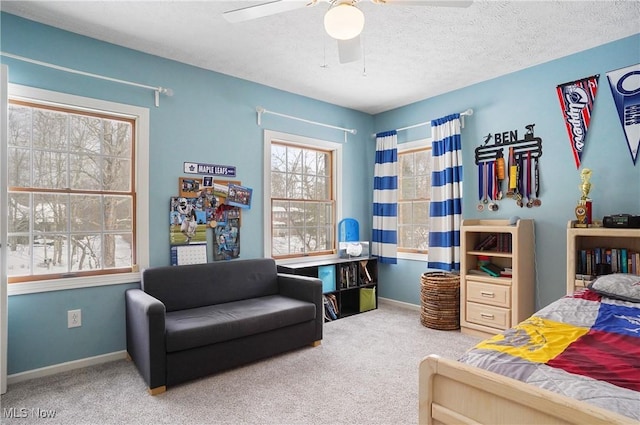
487	315
486	293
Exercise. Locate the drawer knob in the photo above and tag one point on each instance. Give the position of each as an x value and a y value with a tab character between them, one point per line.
486	316
487	294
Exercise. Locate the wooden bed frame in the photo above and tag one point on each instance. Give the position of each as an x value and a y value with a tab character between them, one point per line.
451	392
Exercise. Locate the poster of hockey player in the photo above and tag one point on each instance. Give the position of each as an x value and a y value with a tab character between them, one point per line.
188	221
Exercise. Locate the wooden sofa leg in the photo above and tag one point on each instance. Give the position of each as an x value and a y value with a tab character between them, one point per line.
315	343
129	357
157	390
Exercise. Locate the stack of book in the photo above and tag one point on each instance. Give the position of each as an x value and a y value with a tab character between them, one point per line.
500	242
491	269
507	272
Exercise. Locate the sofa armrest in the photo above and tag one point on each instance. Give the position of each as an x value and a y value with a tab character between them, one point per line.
306	289
145	318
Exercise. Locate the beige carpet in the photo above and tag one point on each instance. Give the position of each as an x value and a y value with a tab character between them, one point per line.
365	372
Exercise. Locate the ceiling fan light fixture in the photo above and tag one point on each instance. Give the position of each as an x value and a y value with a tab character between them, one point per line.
344	21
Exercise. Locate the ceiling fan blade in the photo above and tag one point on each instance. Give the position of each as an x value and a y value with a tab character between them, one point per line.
265	9
436	3
349	50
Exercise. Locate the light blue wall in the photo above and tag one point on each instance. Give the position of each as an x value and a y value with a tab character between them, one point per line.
214	116
38	333
510	103
211	119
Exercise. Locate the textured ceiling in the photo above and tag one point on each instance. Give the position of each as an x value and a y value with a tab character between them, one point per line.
410	53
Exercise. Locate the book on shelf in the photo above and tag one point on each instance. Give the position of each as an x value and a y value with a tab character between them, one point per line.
504	242
618	260
349	275
478	272
492	269
489	242
500	242
505	273
330	307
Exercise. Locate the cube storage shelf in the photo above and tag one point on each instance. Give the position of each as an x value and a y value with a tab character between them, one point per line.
350	281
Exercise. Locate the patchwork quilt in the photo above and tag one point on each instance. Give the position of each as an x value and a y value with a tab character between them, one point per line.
585	346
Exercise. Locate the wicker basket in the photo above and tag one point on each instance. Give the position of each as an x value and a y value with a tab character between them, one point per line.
440	296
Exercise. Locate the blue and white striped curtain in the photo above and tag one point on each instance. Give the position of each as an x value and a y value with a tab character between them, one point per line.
445	213
385	198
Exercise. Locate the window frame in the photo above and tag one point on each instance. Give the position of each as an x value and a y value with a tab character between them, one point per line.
404	253
336	185
141	189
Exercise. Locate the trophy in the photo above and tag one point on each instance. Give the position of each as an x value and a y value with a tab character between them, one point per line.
583	210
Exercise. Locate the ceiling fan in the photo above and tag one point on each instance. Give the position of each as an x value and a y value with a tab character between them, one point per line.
343	20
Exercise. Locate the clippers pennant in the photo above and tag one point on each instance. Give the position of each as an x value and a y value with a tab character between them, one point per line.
625	88
576	100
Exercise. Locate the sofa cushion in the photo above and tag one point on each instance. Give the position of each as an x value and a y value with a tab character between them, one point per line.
199	285
202	326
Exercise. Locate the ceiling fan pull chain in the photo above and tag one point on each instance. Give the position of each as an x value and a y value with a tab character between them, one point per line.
324	55
364	58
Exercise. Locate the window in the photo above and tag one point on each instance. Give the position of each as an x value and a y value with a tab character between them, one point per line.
414	182
302	202
72	202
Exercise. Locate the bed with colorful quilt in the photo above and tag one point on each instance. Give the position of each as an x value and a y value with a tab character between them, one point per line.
575	361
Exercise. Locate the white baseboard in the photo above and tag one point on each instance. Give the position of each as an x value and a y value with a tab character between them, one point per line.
63	367
118	355
397	303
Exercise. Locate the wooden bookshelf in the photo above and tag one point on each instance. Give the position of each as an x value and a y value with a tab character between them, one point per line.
590	238
489	304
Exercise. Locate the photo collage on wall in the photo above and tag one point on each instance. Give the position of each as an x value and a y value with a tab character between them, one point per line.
203	203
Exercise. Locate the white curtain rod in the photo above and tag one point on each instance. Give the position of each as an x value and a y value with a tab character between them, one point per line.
158	90
468	112
260	110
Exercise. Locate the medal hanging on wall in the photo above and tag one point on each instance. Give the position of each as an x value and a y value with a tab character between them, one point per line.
536	181
528	180
499	165
482	185
519	176
513	174
493	186
487	186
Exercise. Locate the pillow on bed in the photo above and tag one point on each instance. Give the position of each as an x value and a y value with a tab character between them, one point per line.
622	286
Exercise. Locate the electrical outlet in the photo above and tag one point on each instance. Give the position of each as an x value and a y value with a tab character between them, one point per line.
74	318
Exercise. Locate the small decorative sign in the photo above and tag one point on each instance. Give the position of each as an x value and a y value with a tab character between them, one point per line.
209	169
